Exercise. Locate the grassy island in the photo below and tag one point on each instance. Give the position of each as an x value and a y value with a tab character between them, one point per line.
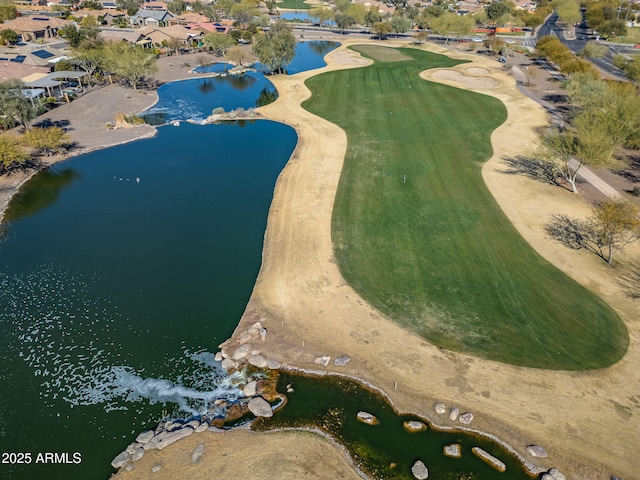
419	236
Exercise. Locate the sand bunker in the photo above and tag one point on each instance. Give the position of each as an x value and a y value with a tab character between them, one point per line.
476	83
478	71
348	57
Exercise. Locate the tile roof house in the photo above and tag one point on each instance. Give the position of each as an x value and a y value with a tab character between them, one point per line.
186	18
35	26
158	35
42	56
151	17
17	71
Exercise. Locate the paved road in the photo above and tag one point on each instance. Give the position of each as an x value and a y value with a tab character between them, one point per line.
581	38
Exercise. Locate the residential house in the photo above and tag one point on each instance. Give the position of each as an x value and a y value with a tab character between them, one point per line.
107	16
187	18
34	27
125	35
151	18
166	35
38	55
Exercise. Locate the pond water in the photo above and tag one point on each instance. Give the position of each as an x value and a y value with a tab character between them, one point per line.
120	273
195	99
386	450
304	17
114	292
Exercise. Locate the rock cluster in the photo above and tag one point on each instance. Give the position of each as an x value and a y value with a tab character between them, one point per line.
454	413
554	474
164	435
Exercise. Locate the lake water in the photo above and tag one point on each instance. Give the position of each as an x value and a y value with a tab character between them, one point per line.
122	270
114	292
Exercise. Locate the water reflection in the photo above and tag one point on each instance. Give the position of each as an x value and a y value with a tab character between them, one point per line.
266	97
241	82
206	86
41	192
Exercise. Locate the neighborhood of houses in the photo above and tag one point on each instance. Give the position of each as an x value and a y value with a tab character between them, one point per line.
33	58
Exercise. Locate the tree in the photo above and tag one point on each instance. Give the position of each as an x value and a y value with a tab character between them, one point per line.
614	224
358	12
8	11
630	65
382	29
272	6
372	16
15	107
133	63
12	155
321	15
176	6
594	50
244	12
218	43
89	57
421	36
570	149
498	8
569	13
342	5
343	21
8	37
130	6
239	55
400	24
46	141
275	49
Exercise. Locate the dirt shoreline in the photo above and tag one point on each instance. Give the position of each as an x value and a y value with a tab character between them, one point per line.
588	421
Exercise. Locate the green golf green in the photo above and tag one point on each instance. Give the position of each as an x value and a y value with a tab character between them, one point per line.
418	235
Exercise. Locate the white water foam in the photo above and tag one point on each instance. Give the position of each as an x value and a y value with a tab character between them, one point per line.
66	337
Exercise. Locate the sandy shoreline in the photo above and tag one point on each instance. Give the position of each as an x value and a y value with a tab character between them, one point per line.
588	421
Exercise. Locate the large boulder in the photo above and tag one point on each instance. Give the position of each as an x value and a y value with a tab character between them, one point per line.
440	408
453	450
174	436
368	418
260	407
196	455
453	413
536	451
420	470
121	459
557	474
250	389
466	418
413	426
342	361
241	352
144	437
490	459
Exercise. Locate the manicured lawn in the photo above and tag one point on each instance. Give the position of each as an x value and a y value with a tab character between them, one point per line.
419	236
294	5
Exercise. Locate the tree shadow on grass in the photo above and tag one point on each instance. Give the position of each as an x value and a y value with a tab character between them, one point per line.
533	168
630	279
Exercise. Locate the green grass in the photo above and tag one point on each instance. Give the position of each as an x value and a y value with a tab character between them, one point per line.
294	5
434	252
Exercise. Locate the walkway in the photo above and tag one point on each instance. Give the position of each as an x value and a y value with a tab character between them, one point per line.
556	119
